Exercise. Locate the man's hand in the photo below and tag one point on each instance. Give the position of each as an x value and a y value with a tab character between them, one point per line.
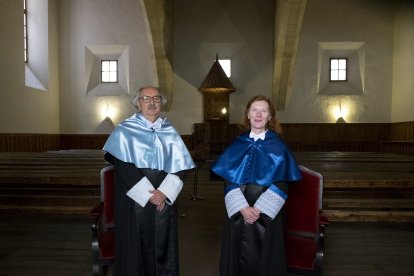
158	199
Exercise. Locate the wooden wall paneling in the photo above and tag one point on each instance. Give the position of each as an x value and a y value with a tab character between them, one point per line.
403	131
82	141
217	134
399	147
315	133
28	142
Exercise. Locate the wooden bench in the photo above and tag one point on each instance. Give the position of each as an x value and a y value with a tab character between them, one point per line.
61	182
365	186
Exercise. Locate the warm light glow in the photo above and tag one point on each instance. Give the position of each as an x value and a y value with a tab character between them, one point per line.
107	111
339	110
224	110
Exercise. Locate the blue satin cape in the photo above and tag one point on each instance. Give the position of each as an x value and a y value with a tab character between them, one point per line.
262	162
161	149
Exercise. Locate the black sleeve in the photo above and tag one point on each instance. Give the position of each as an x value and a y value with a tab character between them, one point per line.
109	157
182	174
127	175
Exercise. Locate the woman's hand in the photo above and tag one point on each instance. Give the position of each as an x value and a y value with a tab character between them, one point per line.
158	199
250	214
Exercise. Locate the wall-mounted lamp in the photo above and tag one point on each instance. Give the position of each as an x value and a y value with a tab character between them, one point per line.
340	113
107	111
223	111
340	118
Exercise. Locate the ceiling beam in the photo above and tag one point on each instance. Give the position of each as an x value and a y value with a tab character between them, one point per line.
288	25
159	14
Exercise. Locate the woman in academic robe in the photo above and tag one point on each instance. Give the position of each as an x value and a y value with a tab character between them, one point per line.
257	168
150	160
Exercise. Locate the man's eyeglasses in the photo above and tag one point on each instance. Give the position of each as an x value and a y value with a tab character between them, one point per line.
147	99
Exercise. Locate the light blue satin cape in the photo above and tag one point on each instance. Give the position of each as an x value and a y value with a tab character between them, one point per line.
262	162
161	149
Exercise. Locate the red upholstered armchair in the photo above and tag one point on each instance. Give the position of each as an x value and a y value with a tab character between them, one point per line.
103	233
305	224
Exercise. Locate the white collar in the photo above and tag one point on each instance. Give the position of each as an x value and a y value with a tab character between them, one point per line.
153	125
257	136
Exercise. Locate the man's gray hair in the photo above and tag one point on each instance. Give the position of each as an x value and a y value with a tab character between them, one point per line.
134	99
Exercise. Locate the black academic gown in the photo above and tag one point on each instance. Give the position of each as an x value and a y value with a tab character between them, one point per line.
253	249
146	240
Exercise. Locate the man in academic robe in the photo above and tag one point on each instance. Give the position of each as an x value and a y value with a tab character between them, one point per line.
150	159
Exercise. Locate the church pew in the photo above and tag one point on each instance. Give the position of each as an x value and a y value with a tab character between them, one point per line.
357	185
63	182
365	186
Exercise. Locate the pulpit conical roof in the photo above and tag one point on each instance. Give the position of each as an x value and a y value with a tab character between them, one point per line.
216	80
